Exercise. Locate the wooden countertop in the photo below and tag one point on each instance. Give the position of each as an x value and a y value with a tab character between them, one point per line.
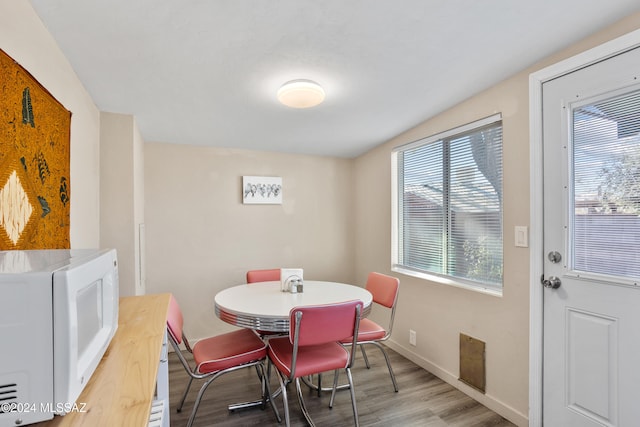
122	388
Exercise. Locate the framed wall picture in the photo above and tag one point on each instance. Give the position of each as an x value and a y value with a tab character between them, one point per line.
265	190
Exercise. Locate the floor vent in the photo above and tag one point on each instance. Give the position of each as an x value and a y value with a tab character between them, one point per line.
472	362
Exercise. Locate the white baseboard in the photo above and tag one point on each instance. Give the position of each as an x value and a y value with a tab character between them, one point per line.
490	402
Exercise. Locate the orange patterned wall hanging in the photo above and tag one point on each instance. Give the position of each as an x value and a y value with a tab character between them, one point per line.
34	163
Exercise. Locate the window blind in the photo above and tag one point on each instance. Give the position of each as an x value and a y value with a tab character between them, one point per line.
449	204
605	226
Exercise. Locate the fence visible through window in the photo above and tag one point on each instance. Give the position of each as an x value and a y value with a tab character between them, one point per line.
606	186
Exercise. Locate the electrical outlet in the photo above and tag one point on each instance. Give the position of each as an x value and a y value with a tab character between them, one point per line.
412	337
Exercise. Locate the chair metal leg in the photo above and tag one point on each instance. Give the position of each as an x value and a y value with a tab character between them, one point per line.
252	404
386	358
364	356
260	372
353	397
267	389
335	387
204	387
302	405
283	389
263	386
184	396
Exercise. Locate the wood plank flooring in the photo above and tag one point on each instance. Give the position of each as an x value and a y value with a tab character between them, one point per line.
423	399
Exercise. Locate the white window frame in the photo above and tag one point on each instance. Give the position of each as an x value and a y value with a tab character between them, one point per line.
395	215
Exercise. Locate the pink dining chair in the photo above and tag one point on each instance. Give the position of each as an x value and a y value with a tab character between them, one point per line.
313	347
216	356
270	275
385	293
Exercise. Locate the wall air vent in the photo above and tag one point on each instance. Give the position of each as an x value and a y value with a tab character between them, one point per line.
472	362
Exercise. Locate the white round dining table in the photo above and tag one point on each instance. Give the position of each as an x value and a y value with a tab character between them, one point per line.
263	306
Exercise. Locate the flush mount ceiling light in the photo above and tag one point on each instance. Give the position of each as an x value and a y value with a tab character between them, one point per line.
301	94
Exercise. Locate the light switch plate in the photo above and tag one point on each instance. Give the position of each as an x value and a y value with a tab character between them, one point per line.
522	236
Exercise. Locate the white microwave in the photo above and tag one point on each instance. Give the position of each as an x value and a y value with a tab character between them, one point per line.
58	314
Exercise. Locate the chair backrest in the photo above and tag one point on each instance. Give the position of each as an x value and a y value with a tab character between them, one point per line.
176	336
383	288
320	324
271	275
175	320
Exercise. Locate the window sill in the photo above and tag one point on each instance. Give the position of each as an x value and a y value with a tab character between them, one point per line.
448	281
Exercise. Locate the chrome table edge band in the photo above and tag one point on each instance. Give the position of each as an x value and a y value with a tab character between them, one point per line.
261	323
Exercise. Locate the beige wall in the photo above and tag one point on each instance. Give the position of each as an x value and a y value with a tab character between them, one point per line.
122	196
439	313
200	238
27	41
138	212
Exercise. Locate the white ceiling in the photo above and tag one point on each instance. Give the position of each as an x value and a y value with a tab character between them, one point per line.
206	72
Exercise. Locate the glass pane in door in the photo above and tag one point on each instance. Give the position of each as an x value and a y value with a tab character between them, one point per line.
606	186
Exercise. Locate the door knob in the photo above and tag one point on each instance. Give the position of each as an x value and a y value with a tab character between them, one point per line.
552	282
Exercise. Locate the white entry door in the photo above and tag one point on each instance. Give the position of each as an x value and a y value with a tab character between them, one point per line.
591	143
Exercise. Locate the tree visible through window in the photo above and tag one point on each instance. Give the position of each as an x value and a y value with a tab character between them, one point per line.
448	205
606	186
